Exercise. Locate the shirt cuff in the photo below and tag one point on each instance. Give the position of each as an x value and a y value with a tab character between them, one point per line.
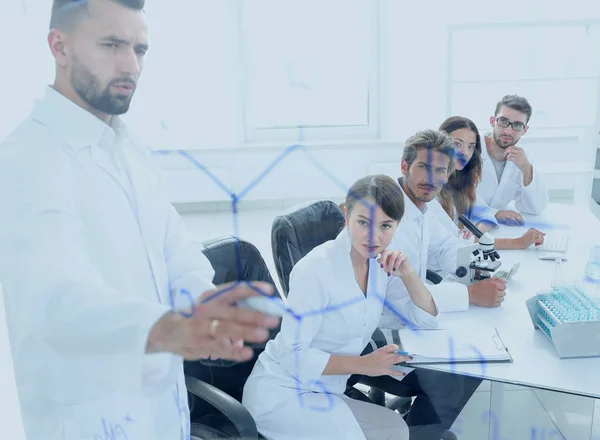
450	296
159	371
195	283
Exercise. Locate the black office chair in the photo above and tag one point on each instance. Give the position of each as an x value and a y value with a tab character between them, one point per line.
302	228
215	387
293	235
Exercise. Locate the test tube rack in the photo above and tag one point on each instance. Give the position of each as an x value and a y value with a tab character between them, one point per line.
569	318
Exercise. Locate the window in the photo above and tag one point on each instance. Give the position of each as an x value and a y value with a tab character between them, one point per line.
187	96
555	66
308	63
221	73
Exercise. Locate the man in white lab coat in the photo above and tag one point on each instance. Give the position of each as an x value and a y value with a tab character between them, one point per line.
426	165
507	173
94	261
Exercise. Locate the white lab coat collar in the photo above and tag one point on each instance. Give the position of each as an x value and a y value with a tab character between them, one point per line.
411	211
484	152
488	166
486	160
78	127
343	241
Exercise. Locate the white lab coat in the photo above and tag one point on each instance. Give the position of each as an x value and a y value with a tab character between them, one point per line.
435	208
429	245
87	257
286	391
530	199
480	212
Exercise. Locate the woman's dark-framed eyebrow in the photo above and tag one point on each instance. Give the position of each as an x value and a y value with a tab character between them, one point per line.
472	144
390	221
124	42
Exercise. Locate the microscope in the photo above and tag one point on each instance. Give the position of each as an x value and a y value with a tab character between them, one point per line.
477	261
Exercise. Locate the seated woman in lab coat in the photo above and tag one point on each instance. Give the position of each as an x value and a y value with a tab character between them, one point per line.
337	293
459	194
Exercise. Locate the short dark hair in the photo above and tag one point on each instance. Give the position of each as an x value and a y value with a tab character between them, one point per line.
429	139
380	189
67	13
515	102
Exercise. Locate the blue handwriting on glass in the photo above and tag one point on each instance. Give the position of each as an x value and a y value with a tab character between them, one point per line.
112	431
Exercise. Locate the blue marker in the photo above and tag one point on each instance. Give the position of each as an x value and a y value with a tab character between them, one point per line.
404	353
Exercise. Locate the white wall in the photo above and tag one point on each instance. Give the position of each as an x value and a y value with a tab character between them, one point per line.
294	177
414	86
413	82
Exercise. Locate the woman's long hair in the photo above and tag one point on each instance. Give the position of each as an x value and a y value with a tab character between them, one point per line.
460	192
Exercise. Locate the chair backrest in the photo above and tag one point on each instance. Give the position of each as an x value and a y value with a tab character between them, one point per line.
232	259
235	259
300	229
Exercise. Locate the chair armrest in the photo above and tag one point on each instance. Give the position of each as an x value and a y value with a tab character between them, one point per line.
379	338
231	408
433	277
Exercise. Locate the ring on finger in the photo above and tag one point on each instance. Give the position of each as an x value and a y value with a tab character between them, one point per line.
213	327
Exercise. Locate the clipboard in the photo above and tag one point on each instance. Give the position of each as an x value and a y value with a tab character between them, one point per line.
457	345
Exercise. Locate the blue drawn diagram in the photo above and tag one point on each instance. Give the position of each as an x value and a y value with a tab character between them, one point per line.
487	417
236	198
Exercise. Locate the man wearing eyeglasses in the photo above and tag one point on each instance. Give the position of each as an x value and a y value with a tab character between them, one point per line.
507	172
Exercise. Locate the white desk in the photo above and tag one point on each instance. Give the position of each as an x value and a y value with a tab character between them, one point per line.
535	362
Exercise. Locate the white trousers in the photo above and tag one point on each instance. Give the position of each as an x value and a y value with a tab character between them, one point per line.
377	422
331	417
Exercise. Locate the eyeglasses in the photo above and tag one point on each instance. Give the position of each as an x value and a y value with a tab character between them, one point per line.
516	126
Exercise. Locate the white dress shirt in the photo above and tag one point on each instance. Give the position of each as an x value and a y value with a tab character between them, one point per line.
498	193
429	245
89	249
338	320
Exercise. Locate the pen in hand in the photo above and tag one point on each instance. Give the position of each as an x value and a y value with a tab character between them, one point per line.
405	353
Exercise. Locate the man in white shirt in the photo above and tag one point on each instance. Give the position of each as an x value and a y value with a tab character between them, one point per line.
95	262
507	173
426	165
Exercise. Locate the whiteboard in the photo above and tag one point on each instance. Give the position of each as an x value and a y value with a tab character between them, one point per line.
10	410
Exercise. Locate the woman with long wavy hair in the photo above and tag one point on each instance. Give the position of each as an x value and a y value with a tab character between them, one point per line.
459	195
